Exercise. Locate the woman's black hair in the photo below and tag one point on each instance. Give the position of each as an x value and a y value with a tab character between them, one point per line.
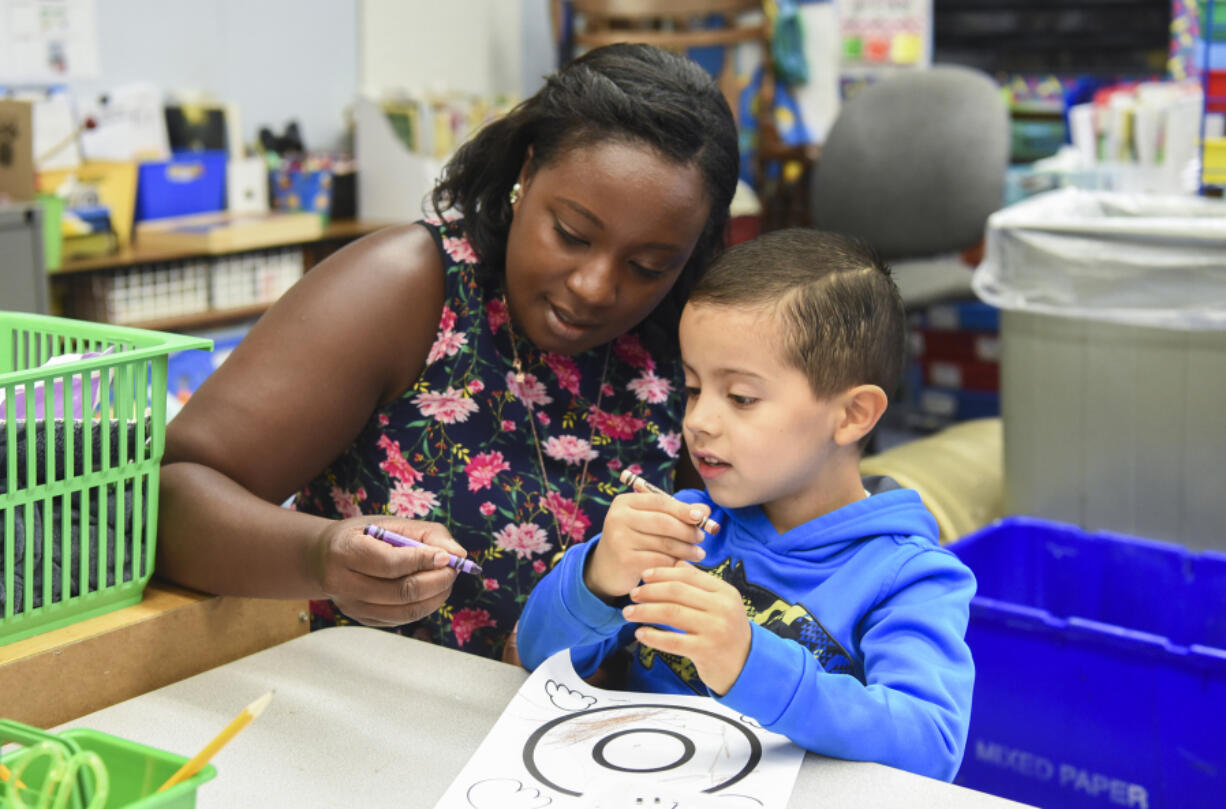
632	93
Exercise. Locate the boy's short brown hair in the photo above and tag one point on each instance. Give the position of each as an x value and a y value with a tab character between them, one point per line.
842	314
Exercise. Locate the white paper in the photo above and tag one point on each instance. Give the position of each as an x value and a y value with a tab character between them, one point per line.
55	142
562	743
131	125
818	98
247	185
48	40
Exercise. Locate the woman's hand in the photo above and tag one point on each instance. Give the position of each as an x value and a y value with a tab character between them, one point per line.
714	631
642	531
378	584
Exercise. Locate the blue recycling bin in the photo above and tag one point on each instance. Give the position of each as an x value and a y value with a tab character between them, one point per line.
1100	669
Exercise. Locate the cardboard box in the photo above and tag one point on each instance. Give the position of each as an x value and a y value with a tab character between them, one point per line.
17	150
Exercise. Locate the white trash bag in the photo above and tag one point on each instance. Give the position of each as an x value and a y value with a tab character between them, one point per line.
1133	259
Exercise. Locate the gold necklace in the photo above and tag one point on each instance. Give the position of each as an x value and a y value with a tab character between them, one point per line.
520	376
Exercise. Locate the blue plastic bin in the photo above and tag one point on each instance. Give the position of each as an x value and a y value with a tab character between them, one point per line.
188	183
1100	669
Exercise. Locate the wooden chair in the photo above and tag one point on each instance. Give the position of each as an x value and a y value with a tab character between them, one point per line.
679	25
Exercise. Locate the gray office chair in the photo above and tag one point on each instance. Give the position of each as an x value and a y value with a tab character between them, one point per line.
914	164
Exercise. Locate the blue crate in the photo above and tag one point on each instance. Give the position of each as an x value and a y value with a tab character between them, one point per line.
188	183
1100	669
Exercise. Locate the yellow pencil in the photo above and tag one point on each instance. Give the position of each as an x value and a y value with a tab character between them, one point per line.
7	775
197	762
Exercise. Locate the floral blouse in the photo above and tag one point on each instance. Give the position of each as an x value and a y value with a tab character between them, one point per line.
457	448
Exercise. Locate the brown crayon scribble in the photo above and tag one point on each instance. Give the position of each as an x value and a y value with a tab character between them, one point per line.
580	731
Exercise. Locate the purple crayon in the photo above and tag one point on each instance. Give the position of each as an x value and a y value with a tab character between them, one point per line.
392	538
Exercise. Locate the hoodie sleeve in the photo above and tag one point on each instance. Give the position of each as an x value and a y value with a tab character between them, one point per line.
562	613
913	709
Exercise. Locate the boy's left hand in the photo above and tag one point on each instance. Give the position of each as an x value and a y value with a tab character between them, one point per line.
714	634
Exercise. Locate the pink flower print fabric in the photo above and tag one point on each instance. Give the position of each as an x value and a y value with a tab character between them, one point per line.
457	448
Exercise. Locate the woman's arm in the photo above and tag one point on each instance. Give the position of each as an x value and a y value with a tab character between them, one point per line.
351	335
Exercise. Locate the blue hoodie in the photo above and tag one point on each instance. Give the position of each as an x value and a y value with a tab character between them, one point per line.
857	626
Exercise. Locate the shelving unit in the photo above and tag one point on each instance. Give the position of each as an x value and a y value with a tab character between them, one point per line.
79	288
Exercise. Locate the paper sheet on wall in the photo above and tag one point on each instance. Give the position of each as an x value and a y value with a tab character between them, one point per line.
562	743
48	40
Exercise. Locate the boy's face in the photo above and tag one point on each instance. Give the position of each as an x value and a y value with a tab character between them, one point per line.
754	429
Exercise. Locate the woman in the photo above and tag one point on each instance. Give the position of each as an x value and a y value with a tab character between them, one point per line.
483	374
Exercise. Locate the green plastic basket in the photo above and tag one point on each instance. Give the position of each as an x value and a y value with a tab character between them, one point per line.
82	442
135	770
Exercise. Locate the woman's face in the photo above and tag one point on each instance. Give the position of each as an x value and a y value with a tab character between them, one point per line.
597	239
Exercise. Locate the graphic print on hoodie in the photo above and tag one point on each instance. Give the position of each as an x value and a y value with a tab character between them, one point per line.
768	610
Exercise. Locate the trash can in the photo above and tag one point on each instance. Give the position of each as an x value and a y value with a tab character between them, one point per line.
1100	669
1113	360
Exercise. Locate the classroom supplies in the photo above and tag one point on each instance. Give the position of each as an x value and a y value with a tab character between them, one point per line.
198	761
182	185
561	742
109	184
109	771
392	538
105	482
642	486
7	775
66	775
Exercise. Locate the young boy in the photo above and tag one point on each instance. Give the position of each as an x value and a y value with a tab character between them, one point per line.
824	608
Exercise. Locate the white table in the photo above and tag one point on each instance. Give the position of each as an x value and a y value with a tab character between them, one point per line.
364	718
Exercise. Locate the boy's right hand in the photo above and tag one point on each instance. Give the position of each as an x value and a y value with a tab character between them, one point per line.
642	531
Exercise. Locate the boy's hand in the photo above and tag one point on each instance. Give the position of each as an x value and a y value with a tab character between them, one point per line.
642	531
710	613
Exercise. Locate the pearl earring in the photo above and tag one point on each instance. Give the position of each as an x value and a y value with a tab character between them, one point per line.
516	190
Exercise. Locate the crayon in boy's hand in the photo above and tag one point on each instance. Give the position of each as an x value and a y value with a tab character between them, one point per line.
641	486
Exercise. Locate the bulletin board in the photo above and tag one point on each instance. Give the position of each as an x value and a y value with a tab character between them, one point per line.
48	41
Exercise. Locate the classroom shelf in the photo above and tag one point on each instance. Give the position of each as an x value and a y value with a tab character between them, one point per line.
203	320
342	230
76	286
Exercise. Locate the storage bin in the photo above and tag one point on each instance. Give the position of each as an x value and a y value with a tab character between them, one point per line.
1100	669
188	183
82	424
135	770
